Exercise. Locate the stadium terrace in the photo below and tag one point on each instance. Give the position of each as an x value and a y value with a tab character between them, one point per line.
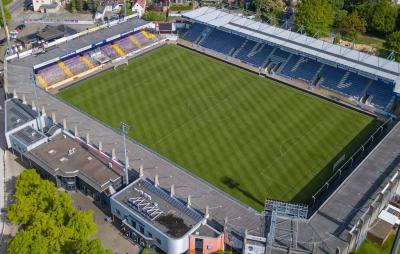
158	203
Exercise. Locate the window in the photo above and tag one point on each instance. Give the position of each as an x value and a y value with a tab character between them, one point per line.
118	212
133	223
141	229
158	241
150	235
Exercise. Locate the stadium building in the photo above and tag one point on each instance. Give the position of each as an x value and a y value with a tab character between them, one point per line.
365	80
166	207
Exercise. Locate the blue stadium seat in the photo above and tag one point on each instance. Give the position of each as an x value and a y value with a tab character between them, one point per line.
354	85
194	32
330	77
279	56
382	94
301	68
222	41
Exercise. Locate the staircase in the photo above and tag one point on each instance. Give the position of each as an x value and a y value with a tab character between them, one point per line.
118	49
287	60
148	35
313	79
203	35
133	39
390	104
257	48
344	78
41	81
240	48
300	61
65	68
86	60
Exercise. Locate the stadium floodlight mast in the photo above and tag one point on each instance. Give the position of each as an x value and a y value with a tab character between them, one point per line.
125	128
34	84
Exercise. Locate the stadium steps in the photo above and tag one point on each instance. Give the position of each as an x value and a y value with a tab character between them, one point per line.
41	81
66	70
364	91
287	60
313	79
86	60
297	65
390	104
257	48
344	78
203	35
136	42
148	35
240	48
118	49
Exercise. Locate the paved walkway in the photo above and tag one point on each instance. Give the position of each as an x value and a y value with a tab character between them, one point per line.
107	233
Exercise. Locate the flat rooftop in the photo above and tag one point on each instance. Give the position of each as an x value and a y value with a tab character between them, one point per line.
28	136
17	114
67	157
170	215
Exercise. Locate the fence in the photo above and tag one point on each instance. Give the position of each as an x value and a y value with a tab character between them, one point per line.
342	172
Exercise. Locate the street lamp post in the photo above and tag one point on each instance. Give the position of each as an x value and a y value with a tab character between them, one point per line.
39	121
125	128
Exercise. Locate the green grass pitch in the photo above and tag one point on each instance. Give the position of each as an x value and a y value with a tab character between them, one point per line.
249	136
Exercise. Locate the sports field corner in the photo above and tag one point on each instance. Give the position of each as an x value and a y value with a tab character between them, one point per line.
247	135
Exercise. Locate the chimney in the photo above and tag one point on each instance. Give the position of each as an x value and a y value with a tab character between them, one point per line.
156	182
100	146
113	154
189	201
53	117
207	213
15	96
33	105
225	221
87	137
64	123
141	173
43	111
76	131
23	99
172	190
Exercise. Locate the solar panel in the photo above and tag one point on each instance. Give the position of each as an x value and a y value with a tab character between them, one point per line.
173	201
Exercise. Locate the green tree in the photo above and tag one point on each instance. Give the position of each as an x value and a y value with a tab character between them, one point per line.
79	5
73	6
90	247
316	16
48	215
393	43
353	24
270	9
381	16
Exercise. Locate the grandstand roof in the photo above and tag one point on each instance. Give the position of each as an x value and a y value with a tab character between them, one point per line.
363	63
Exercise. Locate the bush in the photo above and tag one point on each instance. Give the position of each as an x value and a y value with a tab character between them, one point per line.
176	7
153	16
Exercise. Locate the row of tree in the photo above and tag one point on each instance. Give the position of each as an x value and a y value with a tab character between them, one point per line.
83	5
49	223
319	18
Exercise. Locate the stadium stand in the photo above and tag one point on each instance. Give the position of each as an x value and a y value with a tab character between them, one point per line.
293	66
79	63
381	94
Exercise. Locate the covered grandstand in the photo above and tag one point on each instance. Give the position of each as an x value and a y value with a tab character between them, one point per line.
365	78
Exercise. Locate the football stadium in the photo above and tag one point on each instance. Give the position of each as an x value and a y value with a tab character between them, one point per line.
232	134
